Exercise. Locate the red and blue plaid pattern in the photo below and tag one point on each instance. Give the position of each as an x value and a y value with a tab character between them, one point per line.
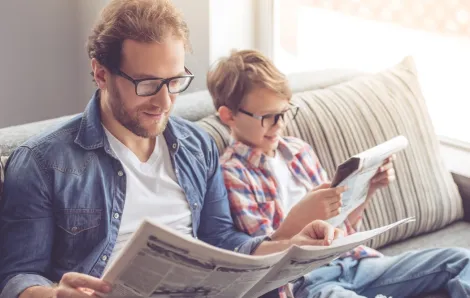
252	189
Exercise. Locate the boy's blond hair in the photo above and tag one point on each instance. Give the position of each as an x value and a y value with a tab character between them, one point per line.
233	77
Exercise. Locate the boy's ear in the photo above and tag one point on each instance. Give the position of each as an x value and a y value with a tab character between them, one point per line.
226	116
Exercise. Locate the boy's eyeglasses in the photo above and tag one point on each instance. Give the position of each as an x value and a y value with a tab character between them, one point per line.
151	86
269	120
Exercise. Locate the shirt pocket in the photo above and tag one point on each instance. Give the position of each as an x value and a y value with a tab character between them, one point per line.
78	232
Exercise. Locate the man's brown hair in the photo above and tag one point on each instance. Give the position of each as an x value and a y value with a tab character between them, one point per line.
139	20
233	77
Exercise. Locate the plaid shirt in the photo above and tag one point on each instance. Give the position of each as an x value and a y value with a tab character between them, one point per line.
253	191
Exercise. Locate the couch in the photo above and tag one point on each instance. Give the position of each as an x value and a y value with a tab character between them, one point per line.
343	112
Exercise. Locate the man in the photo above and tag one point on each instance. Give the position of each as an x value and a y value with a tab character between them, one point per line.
73	196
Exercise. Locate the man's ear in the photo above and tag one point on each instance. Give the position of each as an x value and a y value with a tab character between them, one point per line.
99	74
226	116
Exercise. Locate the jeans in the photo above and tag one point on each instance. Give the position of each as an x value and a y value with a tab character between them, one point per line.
408	274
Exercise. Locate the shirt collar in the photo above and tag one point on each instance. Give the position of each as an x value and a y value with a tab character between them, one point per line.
257	158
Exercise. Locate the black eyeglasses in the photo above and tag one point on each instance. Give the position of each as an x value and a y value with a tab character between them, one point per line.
151	86
271	119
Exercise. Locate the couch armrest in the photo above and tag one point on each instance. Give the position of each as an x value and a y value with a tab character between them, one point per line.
463	183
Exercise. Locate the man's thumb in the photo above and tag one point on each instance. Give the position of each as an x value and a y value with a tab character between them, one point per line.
323	231
329	232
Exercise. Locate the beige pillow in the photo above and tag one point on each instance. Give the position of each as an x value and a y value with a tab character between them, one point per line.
350	117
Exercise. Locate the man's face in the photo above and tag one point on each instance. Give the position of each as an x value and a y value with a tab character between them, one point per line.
249	130
145	116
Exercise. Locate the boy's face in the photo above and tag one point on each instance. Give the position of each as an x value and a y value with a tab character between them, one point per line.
254	131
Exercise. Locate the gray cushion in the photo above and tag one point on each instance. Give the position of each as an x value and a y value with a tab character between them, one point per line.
305	81
191	106
217	130
454	235
194	106
12	137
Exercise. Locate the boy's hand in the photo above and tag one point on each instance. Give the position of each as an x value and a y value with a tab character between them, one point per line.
321	203
384	176
317	233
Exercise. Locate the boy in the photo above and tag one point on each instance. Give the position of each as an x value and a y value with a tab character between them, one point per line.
272	180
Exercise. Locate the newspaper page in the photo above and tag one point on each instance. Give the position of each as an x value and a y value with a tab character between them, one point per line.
357	172
158	262
302	260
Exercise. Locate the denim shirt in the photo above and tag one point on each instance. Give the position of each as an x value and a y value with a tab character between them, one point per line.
65	190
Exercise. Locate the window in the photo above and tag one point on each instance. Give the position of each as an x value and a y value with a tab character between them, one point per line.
370	35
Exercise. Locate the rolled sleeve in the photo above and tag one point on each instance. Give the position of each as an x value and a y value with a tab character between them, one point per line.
249	247
19	283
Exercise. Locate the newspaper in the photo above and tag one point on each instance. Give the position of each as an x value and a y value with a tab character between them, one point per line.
159	262
357	172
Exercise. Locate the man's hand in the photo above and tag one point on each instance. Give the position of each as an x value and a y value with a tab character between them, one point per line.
384	176
72	285
321	203
80	285
317	233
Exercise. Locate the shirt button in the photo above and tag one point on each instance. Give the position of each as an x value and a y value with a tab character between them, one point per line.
104	258
174	146
195	205
74	229
116	215
120	173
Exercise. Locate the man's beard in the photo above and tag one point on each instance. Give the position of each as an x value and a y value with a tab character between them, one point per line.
131	122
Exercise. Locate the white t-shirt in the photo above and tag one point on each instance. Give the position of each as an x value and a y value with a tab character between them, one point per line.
152	191
291	191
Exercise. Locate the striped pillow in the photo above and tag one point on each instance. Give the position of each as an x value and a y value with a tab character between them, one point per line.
217	130
350	117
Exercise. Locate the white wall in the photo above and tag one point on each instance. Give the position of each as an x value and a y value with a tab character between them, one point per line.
44	66
231	26
196	14
88	12
216	27
38	77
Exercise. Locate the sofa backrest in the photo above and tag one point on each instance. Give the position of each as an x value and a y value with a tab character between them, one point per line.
191	106
342	113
